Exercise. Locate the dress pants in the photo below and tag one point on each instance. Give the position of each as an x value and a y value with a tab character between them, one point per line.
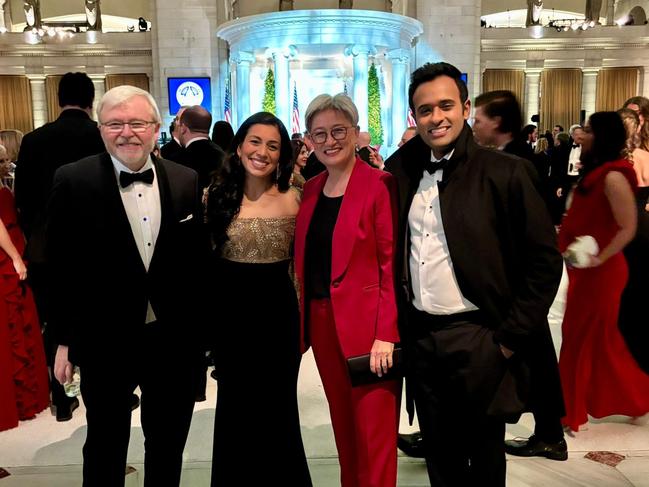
154	360
456	369
364	418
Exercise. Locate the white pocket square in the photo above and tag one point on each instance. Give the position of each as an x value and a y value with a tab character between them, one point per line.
187	218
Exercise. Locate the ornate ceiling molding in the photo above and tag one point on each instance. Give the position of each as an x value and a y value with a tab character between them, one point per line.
281	29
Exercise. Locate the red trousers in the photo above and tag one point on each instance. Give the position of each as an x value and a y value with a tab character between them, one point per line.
364	418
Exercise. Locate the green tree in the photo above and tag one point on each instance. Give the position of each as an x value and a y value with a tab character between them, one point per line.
268	104
374	107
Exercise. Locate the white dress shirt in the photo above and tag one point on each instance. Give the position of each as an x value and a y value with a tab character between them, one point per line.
142	204
434	285
574	161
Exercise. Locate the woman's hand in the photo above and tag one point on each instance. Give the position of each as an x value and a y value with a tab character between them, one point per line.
20	268
381	357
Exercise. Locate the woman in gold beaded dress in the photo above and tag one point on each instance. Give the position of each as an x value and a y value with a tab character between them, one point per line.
251	211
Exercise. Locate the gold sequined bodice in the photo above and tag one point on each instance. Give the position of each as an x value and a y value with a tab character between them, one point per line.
260	240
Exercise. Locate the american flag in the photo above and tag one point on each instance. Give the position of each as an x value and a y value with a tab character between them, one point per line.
296	112
411	119
227	112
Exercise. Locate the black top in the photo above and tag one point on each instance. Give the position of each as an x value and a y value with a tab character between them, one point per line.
317	259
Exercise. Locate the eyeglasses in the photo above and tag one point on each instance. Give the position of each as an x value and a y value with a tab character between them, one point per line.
338	133
137	126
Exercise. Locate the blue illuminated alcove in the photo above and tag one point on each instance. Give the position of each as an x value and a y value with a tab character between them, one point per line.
322	51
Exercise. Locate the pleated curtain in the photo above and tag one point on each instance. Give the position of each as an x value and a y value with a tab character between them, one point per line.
505	79
614	87
16	105
52	95
560	97
139	80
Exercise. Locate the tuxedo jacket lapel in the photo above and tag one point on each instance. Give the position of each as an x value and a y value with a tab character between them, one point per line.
348	220
166	213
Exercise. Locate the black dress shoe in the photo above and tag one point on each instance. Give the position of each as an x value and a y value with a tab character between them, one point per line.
64	413
534	447
412	445
135	402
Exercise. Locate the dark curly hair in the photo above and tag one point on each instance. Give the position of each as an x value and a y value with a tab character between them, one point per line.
609	140
225	193
431	71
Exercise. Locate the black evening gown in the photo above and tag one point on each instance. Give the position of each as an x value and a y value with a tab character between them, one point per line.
257	358
634	319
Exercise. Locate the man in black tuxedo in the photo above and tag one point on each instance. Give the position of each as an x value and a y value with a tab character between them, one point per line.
200	153
127	251
72	136
478	272
497	120
564	171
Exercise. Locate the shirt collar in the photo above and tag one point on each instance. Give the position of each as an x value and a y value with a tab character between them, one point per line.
446	156
118	166
201	137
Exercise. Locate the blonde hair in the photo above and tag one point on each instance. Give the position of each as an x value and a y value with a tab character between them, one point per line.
121	94
340	103
11	140
541	145
631	122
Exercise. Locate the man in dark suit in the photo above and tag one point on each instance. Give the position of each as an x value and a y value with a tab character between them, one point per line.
497	120
478	272
72	136
173	147
199	153
127	251
564	171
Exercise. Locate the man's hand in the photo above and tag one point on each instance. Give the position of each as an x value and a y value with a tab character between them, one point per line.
62	366
381	357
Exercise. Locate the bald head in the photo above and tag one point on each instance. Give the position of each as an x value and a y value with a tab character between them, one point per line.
364	139
408	134
194	122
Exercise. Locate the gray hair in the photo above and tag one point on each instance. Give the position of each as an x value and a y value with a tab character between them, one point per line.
340	103
121	94
574	127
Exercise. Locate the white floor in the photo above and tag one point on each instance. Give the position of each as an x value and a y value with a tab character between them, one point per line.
43	452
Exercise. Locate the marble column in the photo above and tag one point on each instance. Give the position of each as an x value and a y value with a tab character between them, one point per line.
3	22
360	54
532	85
644	81
283	105
241	96
99	81
400	59
588	91
39	99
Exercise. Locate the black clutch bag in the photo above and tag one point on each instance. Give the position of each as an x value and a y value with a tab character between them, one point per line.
360	373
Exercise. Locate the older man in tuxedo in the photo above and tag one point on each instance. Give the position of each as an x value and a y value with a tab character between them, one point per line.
479	271
127	249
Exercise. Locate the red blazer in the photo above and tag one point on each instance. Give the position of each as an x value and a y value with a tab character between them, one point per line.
362	278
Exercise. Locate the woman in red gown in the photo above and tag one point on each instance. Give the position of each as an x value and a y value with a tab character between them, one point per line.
24	388
598	374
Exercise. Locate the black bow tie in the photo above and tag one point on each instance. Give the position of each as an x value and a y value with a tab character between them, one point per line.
431	166
128	178
574	146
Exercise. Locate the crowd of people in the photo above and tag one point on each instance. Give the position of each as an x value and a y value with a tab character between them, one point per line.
243	250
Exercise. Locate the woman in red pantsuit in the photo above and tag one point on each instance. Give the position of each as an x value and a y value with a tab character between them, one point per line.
598	374
344	246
